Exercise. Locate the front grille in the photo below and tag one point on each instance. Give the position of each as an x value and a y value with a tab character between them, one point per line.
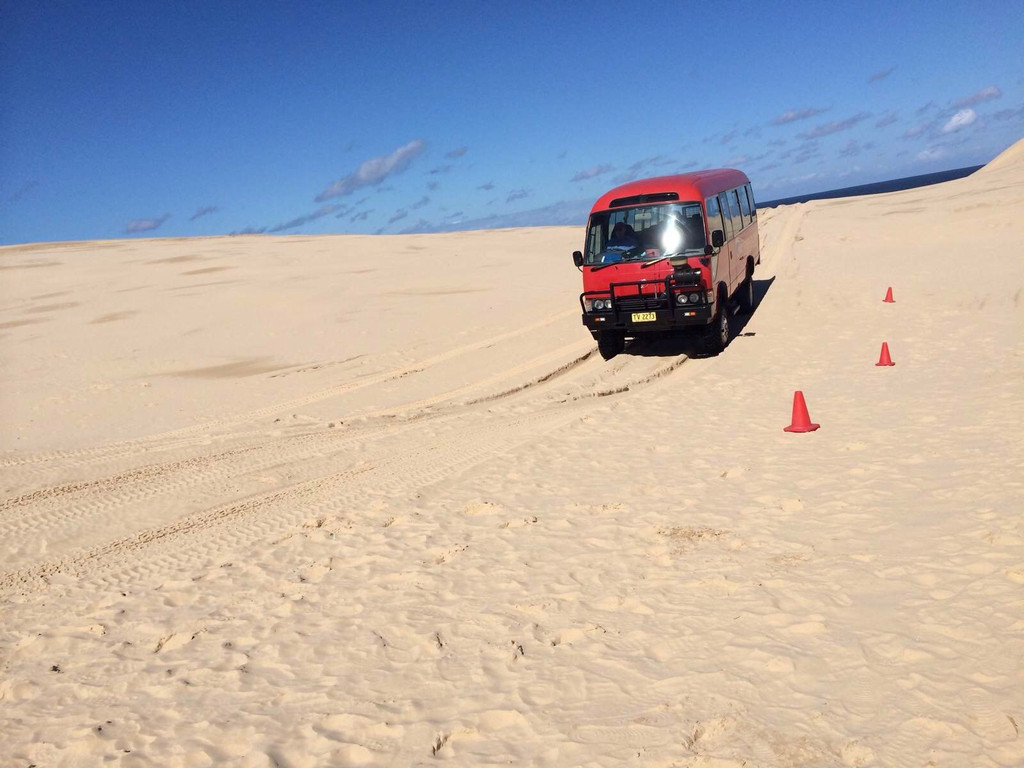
635	303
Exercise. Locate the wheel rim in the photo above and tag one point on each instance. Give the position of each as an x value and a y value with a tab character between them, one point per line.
723	328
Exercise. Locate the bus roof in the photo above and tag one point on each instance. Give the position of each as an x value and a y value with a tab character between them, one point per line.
688	186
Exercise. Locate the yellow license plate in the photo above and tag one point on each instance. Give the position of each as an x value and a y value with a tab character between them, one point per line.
644	317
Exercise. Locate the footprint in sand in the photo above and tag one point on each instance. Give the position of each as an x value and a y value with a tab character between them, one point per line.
500	719
1016	575
478	508
522	522
173	641
856	755
448	554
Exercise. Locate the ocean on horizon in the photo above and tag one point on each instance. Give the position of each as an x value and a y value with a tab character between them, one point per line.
892	185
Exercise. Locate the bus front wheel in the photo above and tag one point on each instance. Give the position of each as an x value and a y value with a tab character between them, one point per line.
610	343
716	336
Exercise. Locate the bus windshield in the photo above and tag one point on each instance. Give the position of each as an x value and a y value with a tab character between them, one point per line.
645	232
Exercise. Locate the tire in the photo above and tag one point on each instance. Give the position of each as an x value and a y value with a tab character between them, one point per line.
716	337
746	294
610	343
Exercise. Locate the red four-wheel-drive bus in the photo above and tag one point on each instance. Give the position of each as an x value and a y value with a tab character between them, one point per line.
669	253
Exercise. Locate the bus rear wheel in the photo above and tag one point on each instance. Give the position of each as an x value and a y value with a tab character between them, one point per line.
610	343
746	293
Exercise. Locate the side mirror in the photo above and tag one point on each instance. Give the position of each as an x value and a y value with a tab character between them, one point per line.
577	258
718	238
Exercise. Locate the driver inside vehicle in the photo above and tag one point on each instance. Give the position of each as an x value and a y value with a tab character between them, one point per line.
623	236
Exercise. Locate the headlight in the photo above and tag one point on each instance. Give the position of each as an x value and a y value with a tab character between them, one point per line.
598	304
694	298
681	298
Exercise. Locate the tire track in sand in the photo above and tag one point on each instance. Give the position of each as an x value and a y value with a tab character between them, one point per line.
197	466
186	434
215	532
71	511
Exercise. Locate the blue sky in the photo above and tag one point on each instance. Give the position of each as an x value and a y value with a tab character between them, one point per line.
183	119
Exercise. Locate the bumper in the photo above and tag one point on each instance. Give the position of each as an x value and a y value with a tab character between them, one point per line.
663	319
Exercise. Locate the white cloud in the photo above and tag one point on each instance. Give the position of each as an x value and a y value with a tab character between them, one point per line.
590	173
374	171
1009	114
136	226
565	212
889	119
881	75
204	211
961	119
792	115
835	126
634	171
985	94
23	190
933	153
852	148
319	213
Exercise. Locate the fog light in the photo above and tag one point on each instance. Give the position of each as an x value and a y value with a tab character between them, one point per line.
681	298
694	298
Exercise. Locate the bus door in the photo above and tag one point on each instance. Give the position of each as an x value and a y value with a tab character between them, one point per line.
725	257
750	246
715	220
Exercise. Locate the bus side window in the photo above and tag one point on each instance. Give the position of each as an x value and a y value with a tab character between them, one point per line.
726	218
714	215
753	205
734	208
598	237
744	205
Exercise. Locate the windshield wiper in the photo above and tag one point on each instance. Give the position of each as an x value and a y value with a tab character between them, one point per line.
660	258
628	260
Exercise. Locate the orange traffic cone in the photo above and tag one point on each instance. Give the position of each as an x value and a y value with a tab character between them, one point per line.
888	297
801	419
884	358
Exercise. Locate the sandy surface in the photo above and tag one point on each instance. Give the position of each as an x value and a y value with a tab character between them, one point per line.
312	501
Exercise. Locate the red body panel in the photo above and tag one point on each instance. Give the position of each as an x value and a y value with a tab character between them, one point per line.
689	186
629	272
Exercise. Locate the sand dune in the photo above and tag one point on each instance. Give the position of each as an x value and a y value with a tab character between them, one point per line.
312	501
